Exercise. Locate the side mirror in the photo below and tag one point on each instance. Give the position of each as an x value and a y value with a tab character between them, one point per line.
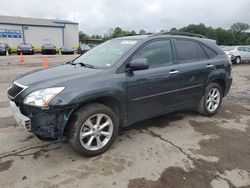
139	64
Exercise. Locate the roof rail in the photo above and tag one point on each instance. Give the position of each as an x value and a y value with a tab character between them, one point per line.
179	34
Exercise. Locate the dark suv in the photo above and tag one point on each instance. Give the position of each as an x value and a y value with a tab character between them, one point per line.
118	83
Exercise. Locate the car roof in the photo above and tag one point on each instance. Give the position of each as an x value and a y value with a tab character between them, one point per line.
209	42
140	37
134	37
25	44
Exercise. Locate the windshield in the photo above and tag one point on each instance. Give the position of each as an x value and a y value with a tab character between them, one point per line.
228	48
25	45
106	54
49	45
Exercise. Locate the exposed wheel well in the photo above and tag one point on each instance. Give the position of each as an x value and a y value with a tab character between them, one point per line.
222	83
107	101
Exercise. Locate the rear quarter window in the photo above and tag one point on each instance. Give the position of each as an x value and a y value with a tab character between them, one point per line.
210	53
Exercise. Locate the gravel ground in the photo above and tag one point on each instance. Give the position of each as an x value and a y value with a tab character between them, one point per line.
181	149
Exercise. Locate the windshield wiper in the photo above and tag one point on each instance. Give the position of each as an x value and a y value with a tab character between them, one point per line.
84	65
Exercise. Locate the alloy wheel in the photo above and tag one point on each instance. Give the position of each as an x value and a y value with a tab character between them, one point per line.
96	132
213	100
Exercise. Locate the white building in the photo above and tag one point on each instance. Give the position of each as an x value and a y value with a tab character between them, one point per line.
16	30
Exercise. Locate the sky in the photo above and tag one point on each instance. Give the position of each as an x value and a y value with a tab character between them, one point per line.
98	16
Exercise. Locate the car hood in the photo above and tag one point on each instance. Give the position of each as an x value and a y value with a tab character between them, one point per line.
57	76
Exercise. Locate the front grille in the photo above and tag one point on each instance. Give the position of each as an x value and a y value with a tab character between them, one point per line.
14	90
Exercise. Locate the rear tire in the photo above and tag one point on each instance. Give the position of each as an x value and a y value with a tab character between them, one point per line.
237	60
210	102
90	137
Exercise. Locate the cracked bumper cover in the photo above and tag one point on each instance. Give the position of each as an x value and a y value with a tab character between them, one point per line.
19	117
45	123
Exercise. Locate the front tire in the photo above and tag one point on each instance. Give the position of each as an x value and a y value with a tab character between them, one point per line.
93	129
211	100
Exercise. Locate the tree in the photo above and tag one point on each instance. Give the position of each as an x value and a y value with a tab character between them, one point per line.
142	32
118	32
239	31
173	29
224	37
239	27
132	33
198	29
83	36
248	41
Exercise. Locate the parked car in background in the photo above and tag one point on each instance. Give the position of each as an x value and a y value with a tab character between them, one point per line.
48	49
3	48
25	48
237	54
67	50
118	83
82	48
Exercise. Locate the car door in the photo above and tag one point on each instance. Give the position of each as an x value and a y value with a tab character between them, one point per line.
242	53
194	66
247	50
152	92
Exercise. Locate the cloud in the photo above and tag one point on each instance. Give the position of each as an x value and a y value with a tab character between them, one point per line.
98	16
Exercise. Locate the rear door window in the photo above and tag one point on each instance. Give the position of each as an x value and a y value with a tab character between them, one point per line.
247	49
189	51
241	49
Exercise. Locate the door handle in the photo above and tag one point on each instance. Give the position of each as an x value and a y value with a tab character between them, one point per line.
210	66
174	72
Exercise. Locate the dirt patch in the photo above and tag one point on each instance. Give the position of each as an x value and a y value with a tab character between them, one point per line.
7	122
7	78
160	121
232	111
232	146
4	104
28	138
5	165
35	151
247	77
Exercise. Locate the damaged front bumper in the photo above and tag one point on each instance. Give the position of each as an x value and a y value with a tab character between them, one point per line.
44	123
19	117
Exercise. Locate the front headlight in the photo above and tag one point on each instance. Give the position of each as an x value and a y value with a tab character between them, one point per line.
42	97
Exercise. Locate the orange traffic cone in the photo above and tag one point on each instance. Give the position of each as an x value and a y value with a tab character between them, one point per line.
45	63
21	58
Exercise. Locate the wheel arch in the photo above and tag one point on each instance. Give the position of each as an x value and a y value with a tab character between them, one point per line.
109	101
221	82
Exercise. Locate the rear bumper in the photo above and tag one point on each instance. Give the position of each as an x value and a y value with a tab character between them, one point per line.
26	52
67	52
2	52
228	85
48	51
